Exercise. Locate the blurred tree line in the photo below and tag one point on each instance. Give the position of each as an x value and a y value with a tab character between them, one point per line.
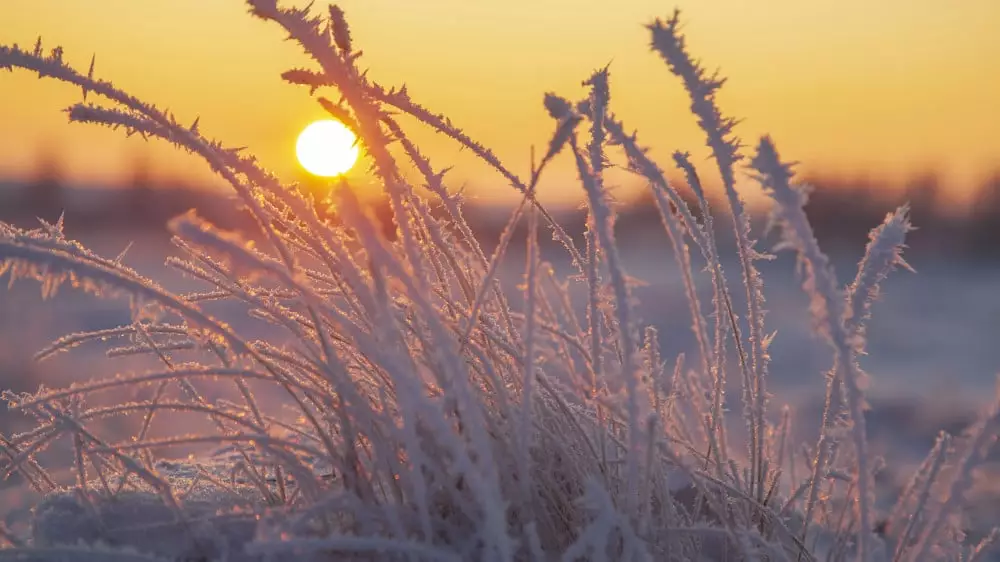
842	211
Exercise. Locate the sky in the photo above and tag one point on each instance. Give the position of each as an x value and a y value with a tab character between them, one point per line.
889	89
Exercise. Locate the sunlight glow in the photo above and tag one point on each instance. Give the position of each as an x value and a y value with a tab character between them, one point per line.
326	148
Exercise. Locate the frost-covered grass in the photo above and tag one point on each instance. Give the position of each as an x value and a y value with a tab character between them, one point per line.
428	412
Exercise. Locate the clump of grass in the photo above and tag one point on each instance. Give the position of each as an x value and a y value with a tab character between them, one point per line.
429	420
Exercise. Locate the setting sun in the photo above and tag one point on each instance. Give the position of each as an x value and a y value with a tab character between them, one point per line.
326	148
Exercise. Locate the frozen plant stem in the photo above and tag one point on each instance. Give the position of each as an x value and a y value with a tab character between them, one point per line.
827	305
603	219
702	88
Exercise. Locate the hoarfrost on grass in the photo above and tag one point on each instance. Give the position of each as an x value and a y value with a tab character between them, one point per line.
423	416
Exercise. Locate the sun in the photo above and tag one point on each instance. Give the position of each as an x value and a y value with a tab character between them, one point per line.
326	148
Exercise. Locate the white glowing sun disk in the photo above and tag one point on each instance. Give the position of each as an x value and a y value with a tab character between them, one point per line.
326	148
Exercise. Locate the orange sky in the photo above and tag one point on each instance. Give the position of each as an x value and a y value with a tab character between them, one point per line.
891	87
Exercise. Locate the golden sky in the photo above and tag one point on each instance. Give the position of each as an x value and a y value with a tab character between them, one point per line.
892	88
